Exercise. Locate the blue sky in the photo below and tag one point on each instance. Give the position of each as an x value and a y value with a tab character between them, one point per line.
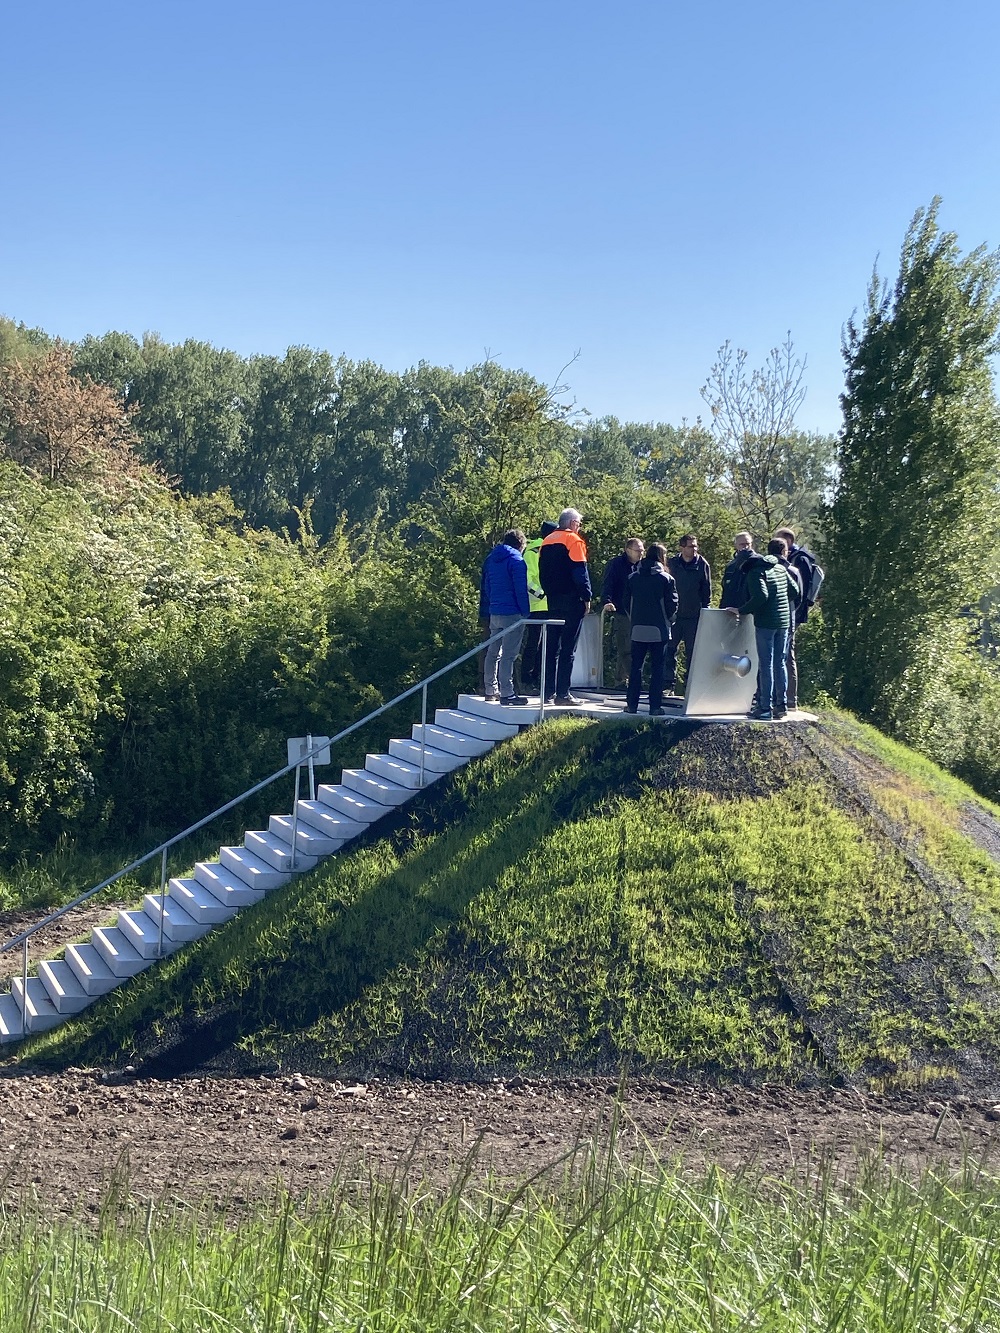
404	182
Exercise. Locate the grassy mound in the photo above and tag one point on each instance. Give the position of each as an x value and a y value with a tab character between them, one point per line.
738	902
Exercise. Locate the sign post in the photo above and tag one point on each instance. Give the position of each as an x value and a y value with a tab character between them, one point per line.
311	750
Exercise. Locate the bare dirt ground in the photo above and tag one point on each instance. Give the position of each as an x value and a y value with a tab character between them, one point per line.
50	941
65	1137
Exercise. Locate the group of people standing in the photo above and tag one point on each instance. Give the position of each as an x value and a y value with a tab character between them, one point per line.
547	578
655	601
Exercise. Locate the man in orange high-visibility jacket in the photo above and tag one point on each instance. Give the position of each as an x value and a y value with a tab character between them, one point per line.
565	580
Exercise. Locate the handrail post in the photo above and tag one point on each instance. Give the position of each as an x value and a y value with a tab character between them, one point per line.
541	668
163	901
312	769
24	988
295	814
423	729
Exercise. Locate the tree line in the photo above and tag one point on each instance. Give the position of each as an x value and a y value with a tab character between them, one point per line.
201	553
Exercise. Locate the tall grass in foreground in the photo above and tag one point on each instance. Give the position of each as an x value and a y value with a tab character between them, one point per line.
602	1248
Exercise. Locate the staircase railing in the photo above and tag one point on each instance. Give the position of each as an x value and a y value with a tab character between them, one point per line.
164	847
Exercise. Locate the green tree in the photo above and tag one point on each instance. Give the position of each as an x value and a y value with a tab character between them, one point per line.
911	531
510	464
19	343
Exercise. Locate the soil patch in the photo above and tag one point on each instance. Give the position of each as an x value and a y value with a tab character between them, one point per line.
50	942
67	1137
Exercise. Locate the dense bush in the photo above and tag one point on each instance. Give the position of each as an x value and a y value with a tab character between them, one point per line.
152	661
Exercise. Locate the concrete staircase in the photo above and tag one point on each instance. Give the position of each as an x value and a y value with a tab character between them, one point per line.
243	875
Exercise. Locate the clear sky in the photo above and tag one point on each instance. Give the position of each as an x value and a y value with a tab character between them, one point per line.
428	181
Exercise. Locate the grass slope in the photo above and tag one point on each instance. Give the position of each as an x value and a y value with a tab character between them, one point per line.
743	902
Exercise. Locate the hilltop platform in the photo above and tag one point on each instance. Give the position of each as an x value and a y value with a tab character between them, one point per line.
606	706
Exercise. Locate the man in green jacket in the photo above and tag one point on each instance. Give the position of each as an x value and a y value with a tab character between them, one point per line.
771	599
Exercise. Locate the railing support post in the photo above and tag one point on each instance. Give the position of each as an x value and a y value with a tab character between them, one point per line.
163	901
24	988
312	768
423	729
541	668
295	814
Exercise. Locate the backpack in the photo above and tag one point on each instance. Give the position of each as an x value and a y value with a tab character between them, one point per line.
812	573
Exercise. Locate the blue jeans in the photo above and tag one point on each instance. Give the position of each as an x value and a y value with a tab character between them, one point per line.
772	672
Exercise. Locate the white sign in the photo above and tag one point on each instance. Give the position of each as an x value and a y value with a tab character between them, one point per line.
299	747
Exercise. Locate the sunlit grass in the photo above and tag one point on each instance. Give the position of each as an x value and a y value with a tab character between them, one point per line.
590	1245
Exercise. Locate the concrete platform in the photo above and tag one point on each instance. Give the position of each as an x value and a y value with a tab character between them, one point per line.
604	705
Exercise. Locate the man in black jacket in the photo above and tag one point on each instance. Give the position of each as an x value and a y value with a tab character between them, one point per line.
734	578
693	578
617	573
565	580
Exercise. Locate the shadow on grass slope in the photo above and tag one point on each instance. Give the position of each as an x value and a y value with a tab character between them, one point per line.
739	902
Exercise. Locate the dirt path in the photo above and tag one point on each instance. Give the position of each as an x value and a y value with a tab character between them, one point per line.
50	942
65	1137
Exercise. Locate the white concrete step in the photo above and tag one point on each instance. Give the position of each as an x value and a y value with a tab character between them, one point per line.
399	771
63	986
37	1004
276	852
524	715
375	788
309	841
143	933
345	801
471	724
451	741
200	903
225	885
11	1019
435	761
252	870
90	968
178	924
336	827
118	951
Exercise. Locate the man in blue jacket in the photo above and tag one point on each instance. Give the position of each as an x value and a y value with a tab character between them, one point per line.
505	593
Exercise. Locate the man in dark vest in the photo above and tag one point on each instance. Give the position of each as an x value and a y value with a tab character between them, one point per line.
693	577
617	573
734	578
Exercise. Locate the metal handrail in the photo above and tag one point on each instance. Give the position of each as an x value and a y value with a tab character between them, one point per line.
164	847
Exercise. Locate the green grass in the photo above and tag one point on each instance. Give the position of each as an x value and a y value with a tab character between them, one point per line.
899	758
591	1245
591	897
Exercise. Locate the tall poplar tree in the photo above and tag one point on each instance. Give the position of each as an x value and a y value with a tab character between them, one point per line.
912	526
